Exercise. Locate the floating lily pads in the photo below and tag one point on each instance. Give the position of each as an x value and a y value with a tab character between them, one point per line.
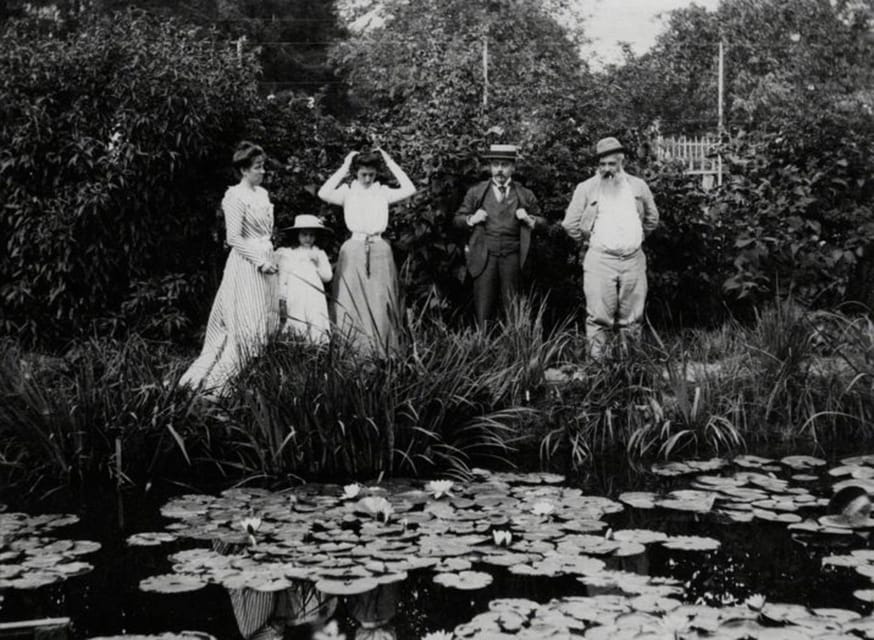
171	583
150	538
182	635
691	543
465	580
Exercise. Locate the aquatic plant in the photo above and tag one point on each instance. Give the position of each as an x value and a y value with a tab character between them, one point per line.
107	409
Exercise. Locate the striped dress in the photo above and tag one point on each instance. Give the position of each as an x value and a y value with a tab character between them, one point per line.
243	314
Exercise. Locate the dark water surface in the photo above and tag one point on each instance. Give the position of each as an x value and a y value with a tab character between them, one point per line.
755	558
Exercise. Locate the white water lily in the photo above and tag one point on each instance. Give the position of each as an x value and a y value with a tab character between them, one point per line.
502	538
351	491
440	488
380	508
250	525
543	508
330	631
756	602
438	635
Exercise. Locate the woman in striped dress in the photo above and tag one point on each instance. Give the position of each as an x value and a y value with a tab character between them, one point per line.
366	280
243	314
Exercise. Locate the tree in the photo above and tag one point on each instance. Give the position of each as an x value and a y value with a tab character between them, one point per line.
782	58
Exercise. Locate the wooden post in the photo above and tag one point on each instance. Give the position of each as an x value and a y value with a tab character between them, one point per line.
721	122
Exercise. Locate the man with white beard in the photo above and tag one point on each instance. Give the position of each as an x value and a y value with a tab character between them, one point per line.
611	213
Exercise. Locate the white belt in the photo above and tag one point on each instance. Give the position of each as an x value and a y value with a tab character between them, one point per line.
363	237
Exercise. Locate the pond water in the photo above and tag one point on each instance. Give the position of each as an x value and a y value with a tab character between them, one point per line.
698	549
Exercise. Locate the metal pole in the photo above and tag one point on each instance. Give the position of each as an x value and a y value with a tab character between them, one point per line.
721	123
485	69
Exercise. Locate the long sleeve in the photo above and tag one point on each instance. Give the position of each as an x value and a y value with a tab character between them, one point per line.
332	192
651	212
574	214
324	267
468	207
406	188
532	207
235	214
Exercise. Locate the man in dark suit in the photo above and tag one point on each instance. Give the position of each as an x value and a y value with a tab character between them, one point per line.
500	214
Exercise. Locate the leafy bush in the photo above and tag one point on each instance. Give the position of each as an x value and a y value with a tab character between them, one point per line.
798	208
110	137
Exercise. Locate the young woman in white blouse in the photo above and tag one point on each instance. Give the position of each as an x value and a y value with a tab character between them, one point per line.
243	313
365	283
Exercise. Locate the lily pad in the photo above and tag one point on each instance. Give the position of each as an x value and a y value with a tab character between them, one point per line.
465	580
691	543
347	587
150	538
171	583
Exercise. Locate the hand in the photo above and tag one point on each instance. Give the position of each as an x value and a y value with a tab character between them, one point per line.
522	216
268	268
476	218
314	256
349	156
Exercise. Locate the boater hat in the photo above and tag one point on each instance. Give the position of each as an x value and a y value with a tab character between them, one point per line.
306	222
606	146
502	152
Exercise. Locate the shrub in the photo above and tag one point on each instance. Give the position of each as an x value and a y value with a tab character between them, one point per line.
110	137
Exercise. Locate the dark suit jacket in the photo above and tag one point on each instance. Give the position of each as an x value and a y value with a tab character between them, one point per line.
476	253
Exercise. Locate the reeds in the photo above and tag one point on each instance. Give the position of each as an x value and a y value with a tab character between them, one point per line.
445	401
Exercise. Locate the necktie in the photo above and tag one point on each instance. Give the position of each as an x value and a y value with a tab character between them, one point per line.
502	190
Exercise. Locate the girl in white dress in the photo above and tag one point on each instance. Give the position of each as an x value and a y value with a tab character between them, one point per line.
303	272
366	284
243	313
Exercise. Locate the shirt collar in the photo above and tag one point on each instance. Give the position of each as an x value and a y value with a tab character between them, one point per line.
498	186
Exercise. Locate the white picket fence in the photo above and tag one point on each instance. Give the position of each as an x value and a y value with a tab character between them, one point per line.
697	154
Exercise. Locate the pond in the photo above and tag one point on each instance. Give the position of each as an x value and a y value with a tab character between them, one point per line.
713	548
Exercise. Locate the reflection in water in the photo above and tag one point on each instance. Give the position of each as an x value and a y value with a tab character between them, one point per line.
266	615
374	611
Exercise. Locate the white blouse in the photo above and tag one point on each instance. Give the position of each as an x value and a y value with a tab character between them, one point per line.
365	210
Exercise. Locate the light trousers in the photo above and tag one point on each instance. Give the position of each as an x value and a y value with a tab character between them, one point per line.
615	289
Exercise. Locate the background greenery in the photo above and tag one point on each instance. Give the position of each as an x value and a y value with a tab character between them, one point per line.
117	125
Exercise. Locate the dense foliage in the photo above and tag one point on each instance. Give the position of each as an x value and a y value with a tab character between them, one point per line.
112	136
116	133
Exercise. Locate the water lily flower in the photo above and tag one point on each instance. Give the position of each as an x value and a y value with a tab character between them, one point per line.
543	509
438	635
502	538
756	601
380	508
250	525
675	625
351	491
440	488
330	631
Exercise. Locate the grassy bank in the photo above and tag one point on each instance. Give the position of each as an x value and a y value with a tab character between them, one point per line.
111	411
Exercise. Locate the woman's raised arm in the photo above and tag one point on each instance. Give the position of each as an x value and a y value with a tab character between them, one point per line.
330	191
406	189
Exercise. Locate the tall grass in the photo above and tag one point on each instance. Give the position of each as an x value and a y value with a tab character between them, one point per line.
107	408
445	401
441	402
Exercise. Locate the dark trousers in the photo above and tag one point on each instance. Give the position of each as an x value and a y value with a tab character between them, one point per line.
501	276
